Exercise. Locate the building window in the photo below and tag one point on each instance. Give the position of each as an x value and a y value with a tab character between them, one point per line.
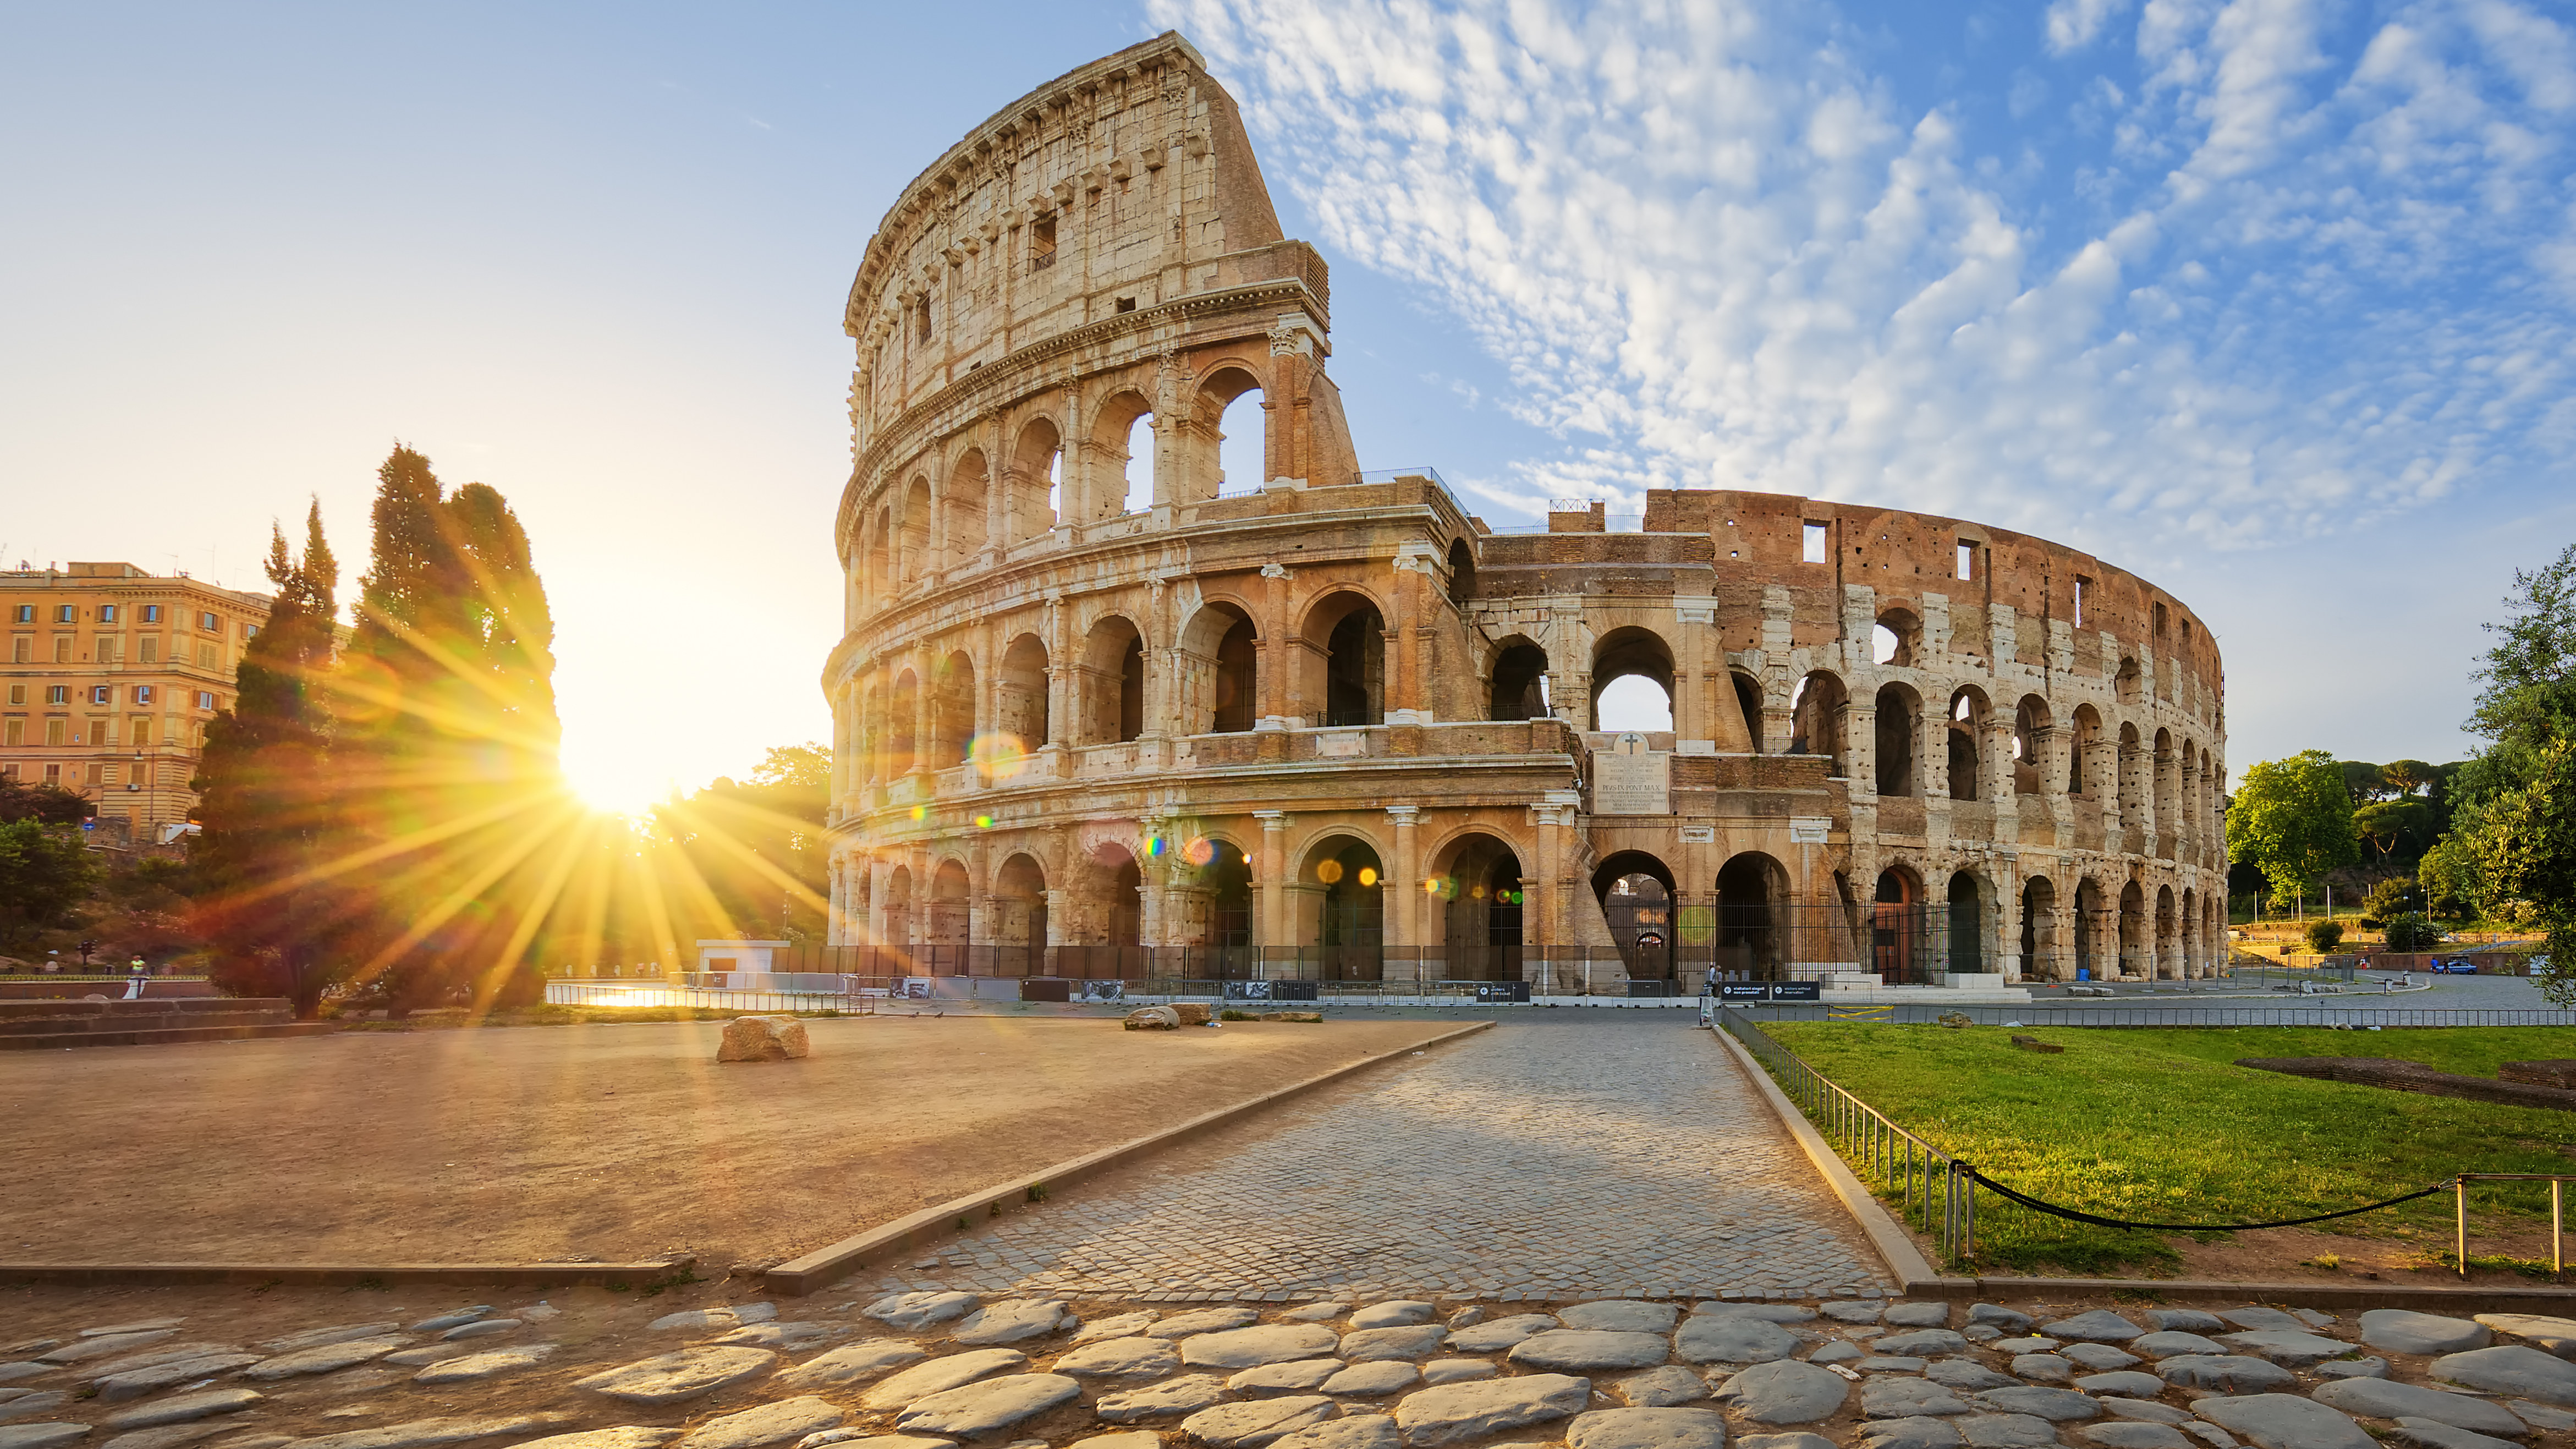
139	731
1042	244
58	694
152	613
205	656
143	694
63	614
148	649
54	773
205	699
107	613
56	731
22	650
110	648
26	613
250	631
209	623
17	694
1126	304
1967	559
13	732
9	771
101	693
62	649
2080	583
1815	543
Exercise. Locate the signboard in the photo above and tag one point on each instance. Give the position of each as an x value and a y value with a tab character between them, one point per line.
1502	991
1699	834
1270	990
1809	829
1629	779
1104	990
1797	991
1743	991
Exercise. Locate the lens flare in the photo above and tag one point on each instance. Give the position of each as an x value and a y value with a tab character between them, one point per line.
920	812
983	822
1328	871
1431	885
1156	846
1199	851
998	756
1368	875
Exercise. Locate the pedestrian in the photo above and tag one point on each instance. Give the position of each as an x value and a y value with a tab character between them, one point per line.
134	982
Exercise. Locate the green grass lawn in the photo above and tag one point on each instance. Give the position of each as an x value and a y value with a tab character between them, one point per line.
2158	1125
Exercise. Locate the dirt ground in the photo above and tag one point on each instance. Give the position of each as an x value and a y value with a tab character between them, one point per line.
614	1142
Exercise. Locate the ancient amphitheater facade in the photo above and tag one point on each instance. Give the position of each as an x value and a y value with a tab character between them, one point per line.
1323	722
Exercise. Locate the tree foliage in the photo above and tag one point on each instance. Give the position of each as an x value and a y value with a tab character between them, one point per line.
2293	819
47	803
2528	849
45	873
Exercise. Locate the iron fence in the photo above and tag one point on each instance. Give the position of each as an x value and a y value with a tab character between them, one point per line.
2110	1013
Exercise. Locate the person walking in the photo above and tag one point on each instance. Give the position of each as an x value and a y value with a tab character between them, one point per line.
134	981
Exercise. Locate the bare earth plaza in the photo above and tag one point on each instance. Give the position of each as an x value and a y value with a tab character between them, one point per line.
1267	958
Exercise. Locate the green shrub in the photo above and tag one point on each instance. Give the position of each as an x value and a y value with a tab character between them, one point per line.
2325	936
2412	933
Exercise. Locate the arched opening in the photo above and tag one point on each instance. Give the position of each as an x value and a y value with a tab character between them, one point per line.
880	570
1900	930
1104	916
1632	682
1896	639
949	920
1636	894
1818	718
1476	892
1035	478
1897	728
1751	939
1020	697
1221	652
2126	684
1462	573
1122	450
1967	924
1243	440
2030	730
2039	930
952	711
1138	470
2126	786
915	543
1966	736
1346	652
1343	891
1017	926
898	907
1520	681
962	521
2160	769
1113	683
2133	930
1222	878
2092	924
903	710
1748	700
2088	733
2168	935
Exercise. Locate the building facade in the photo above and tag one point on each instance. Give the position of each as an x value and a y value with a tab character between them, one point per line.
110	679
1095	698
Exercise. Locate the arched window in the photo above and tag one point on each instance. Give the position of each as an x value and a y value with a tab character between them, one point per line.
1897	711
1037	471
1021	695
1113	683
903	710
952	711
1220	656
963	522
1140	465
1462	573
1818	720
1348	681
1119	475
1520	681
1967	744
1748	702
1897	638
1243	441
916	530
1632	682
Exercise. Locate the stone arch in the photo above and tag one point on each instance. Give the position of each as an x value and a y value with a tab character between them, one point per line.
961	514
1216	898
879	554
1109	484
2096	930
1630	652
1519	680
1967	919
1748	701
1220	670
951	904
1901	940
2133	929
898	907
1104	901
2160	779
1899	726
2127	683
952	711
2039	946
1966	736
914	542
1637	891
903	715
2080	767
1462	573
1752	930
2168	937
1819	719
1113	681
1031	490
1476	894
2030	732
1896	639
2187	922
1212	402
1020	693
1339	898
1344	642
1015	924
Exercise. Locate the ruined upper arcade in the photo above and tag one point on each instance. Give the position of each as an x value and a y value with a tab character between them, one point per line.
1327	712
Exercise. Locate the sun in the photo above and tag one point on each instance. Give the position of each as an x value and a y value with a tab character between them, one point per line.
616	786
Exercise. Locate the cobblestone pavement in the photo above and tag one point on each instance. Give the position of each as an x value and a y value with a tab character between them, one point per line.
1599	1156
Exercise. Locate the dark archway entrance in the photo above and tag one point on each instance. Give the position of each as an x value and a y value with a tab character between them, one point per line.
1350	893
1636	894
1900	931
1752	898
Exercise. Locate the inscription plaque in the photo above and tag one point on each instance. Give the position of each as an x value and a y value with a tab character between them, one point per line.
1629	779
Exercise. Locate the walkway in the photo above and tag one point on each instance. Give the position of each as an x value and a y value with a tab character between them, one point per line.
1581	1157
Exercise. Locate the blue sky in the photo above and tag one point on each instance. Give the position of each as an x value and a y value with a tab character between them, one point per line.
2270	302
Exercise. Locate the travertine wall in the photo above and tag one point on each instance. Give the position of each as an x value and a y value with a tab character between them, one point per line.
1053	702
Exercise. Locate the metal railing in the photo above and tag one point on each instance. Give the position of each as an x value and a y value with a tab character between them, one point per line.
2557	1214
1928	1187
2115	1013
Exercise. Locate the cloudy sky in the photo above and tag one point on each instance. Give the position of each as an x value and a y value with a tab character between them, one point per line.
2271	302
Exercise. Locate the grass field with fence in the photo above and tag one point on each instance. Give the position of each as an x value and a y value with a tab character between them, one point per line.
2160	1126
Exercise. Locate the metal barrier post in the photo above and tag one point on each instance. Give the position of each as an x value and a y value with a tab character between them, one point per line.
2460	1218
2557	1252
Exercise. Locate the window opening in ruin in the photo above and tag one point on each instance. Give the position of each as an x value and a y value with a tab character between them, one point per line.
2081	584
1520	683
1462	573
952	711
1967	925
1815	543
1226	881
1020	703
1896	721
1748	702
1634	702
1884	646
1140	465
1237	679
1131	690
1042	244
1055	486
1637	904
1241	442
1899	925
1352	932
1355	669
1126	304
1748	938
1967	559
921	321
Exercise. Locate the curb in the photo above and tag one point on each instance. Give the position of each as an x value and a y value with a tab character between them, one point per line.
348	1275
1904	1261
828	1265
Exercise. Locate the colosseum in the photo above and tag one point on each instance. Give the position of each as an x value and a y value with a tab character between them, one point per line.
1104	712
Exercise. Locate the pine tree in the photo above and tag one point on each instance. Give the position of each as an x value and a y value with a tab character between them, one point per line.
267	814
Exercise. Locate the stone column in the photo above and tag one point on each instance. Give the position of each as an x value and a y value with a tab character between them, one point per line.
1543	906
878	872
1403	884
1270	878
1860	747
2007	946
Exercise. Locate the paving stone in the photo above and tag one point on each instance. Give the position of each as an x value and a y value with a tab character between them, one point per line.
1213	1320
2234	1372
171	1436
624	1436
1013	1320
34	1406
2008	1319
2381	1399
2043	1368
1913	1433
135	1383
2184	1320
23	1369
1981	1333
1394	1313
1125	1325
1658	1388
1317	1313
476	1367
2101	1358
1381	1376
940	1375
2264	1318
1921	1315
2395	1330
1299	1376
1728	1338
2007	1431
1965	1375
1784	1441
2126	1383
329	1358
785	1337
1456	1370
2296	1348
1184	1395
1498	1334
2209	1434
1767	1312
1838	1352
1123	1439
2146	1409
1236	1348
1896	1398
1887	1365
2166	1342
39	1436
911	1312
1134	1359
860	1437
2127	1435
1367	1345
417	1357
987	1405
2353	1368
454	1318
420	1433
1576	1348
2541	1416
82	1350
140	1325
773	1423
1852	1310
2434	1434
853	1363
2511	1369
166	1353
673	1378
1621	1315
321	1337
1655	1428
2028	1343
1351	1431
1785	1391
484	1328
1453	1413
1256	1422
2554	1335
1922	1341
2061	1406
2099	1326
2284	1421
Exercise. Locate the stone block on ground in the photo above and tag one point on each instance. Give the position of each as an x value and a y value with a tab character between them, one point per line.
940	1375
1921	1342
1658	1388
1395	1313
2099	1326
852	1363
1767	1312
1351	1431
1924	1315
624	1436
2234	1373
1185	1395
1852	1310
1194	1013
2166	1342
481	1328
1122	1439
2512	1368
2185	1320
40	1405
1137	1359
2434	1434
329	1358
2007	1431
1727	1338
1153	1018
453	1318
2058	1406
1497	1334
1915	1433
1366	1345
1621	1315
2010	1320
317	1337
1785	1441
2353	1368
2541	1416
1576	1348
1012	1320
774	1423
172	1436
785	1337
1454	1413
476	1367
725	1316
1212	1320
1664	1428
1239	1348
2043	1368
1459	1370
2263	1318
2101	1358
1962	1375
1785	1391
2395	1330
1315	1313
183	1409
2126	1383
1837	1352
136	1383
1902	1398
2284	1421
82	1350
2127	1434
2145	1409
2554	1335
421	1433
2294	1348
763	1039
1255	1422
1298	1376
2383	1399
41	1436
1380	1376
673	1378
913	1312
987	1405
1124	1325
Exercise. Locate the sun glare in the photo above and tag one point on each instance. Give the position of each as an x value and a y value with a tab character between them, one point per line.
614	786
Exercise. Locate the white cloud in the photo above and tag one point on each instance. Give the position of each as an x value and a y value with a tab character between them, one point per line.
1709	249
2073	24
